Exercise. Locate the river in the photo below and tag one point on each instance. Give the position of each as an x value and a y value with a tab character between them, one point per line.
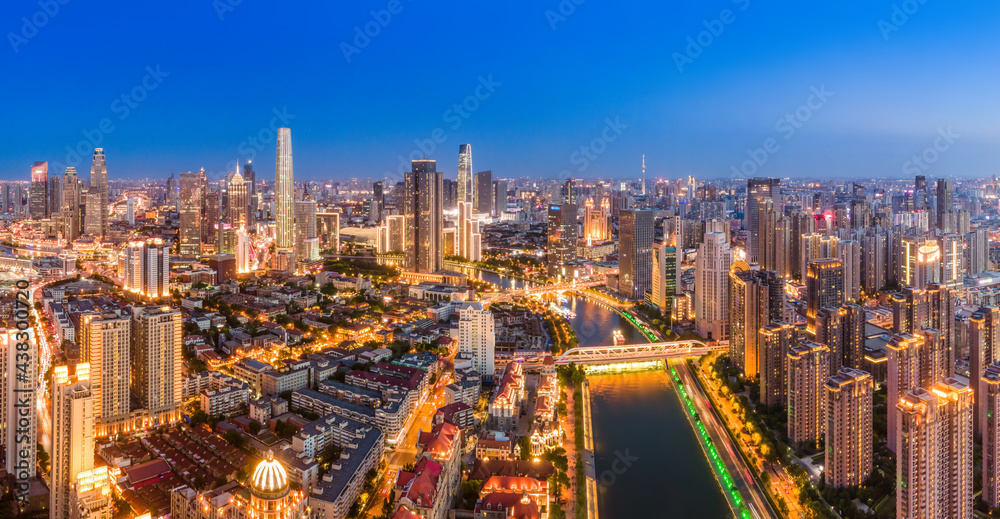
640	430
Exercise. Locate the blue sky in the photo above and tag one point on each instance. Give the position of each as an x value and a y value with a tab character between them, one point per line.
599	75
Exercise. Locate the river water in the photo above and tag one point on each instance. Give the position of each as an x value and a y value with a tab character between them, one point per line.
648	460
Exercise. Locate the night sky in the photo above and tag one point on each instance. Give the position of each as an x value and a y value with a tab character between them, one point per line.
830	89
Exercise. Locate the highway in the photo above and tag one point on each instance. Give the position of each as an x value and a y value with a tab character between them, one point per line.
754	499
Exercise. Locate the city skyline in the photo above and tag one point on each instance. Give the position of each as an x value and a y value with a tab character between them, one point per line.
692	101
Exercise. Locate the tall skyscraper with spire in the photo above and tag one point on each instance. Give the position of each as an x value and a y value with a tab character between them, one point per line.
239	200
284	192
466	184
99	184
644	175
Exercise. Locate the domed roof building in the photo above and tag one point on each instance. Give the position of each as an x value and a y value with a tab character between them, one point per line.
267	495
271	496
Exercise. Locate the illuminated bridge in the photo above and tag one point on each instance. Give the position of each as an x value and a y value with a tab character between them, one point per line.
508	294
593	355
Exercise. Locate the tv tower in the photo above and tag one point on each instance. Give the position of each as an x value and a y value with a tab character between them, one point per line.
643	175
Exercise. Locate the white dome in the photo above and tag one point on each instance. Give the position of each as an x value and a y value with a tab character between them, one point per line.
269	476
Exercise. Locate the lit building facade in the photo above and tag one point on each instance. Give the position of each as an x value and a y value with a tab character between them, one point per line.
848	428
807	369
284	192
72	435
711	295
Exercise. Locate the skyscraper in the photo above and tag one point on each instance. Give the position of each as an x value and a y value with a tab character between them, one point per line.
476	335
72	434
305	228
849	253
807	368
284	192
105	342
596	222
328	230
977	251
711	294
928	266
848	428
945	202
425	210
853	335
469	237
934	462
824	287
562	237
191	210
984	350
774	341
758	189
239	200
932	307
484	192
18	403
71	205
450	194
499	197
40	190
156	356
664	277
99	186
635	256
466	186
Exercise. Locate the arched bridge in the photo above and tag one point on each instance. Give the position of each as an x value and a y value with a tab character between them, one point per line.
592	355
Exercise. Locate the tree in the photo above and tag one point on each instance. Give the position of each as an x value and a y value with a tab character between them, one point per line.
199	417
470	493
234	438
255	427
524	447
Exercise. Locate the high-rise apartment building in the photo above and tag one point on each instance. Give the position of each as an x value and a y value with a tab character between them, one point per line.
397	236
849	253
40	190
147	268
424	210
824	287
988	402
934	461
156	362
72	435
807	369
484	192
928	265
774	342
932	307
477	336
829	331
635	253
466	184
758	189
99	186
853	335
562	236
191	210
756	299
913	361
984	350
284	192
711	294
848	428
977	251
105	340
470	240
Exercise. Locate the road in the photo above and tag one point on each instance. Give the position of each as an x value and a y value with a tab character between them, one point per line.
780	482
406	451
753	497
